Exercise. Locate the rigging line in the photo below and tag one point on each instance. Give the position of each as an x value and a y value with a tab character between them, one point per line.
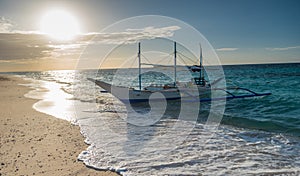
171	55
206	60
135	58
182	60
158	61
169	61
166	57
145	58
186	56
192	60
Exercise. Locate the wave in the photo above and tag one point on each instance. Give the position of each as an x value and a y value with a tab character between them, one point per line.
264	125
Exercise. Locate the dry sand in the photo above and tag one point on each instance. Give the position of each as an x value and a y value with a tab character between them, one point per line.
34	143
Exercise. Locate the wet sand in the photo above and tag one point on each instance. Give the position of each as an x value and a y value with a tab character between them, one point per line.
33	143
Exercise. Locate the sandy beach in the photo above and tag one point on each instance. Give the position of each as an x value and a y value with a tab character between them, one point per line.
34	143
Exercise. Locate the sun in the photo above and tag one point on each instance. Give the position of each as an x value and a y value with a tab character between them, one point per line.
60	25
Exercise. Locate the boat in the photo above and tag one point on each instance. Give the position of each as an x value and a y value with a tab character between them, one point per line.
197	90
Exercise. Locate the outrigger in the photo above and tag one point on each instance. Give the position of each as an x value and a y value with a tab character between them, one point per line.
175	90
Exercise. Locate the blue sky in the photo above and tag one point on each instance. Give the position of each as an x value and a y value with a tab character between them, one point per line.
256	31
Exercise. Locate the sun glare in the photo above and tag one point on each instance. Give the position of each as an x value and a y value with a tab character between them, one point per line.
60	25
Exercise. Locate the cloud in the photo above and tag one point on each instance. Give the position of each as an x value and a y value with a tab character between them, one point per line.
20	47
23	46
227	49
134	35
5	25
283	49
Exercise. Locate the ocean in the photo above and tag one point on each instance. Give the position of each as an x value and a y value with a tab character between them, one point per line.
256	136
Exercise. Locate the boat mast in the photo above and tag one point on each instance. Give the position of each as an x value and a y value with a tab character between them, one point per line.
175	73
139	57
201	65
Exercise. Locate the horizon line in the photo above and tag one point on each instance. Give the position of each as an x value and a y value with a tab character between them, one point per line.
239	64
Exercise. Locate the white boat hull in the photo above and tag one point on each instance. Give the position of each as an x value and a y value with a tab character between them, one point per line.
130	95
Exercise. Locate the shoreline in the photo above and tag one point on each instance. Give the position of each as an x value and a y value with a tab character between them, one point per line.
33	143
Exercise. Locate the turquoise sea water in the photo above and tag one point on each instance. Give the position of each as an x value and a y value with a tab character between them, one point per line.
279	112
257	136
